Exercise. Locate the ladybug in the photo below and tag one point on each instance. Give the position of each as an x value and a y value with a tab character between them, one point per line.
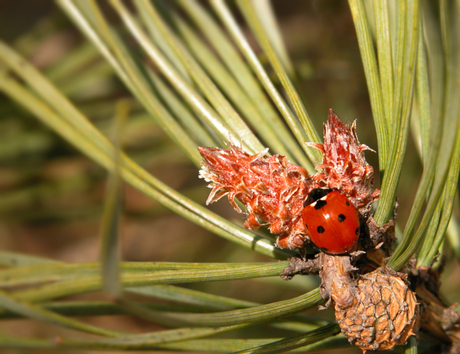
331	220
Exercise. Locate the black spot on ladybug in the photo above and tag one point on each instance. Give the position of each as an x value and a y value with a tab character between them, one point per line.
320	229
348	203
357	231
341	218
306	226
319	204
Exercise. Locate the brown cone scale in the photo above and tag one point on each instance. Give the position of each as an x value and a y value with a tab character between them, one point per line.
383	314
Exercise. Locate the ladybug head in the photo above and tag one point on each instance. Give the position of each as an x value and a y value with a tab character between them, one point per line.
316	194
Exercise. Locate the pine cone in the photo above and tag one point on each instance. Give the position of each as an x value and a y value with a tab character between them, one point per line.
383	314
344	167
272	190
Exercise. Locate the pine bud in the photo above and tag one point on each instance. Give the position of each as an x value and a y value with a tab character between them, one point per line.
272	190
344	167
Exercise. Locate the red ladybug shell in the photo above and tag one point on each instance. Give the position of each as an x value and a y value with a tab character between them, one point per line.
332	223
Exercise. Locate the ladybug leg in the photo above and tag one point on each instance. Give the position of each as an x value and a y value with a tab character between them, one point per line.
303	253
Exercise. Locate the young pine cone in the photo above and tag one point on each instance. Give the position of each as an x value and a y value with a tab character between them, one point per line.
382	314
272	190
344	167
